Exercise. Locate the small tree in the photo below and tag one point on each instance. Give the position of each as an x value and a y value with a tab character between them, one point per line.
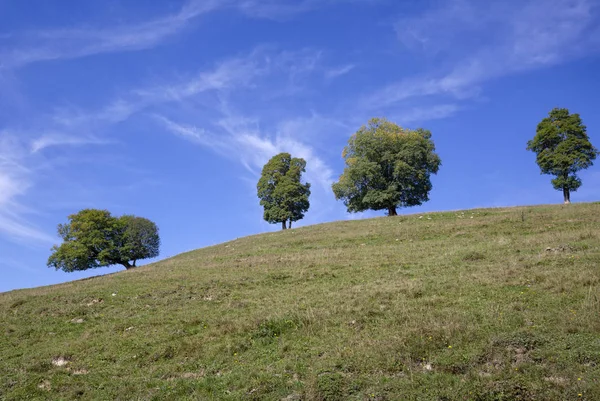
280	190
387	167
93	238
563	148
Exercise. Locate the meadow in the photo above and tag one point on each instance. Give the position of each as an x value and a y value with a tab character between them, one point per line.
484	304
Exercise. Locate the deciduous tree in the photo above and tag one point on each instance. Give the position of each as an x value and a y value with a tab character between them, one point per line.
140	240
93	238
563	148
281	192
387	167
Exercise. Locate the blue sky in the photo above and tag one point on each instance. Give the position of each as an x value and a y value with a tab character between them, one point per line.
169	109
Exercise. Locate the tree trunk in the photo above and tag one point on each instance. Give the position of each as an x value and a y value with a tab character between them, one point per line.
128	266
567	195
392	211
283	227
290	224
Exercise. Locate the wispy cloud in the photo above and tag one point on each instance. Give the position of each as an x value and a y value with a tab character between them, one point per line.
289	69
250	147
339	71
20	231
12	170
244	143
425	113
228	74
456	86
70	43
15	180
274	9
192	133
79	42
256	147
487	40
263	72
525	32
11	183
22	163
58	139
284	9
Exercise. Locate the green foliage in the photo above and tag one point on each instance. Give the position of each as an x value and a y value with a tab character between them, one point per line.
281	192
563	148
330	387
387	167
140	239
93	238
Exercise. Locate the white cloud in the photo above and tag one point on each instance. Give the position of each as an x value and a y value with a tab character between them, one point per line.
80	42
426	113
21	166
283	9
117	111
191	133
70	43
273	9
488	40
58	139
212	90
11	185
289	68
248	146
20	231
415	87
339	71
252	149
229	74
12	172
15	180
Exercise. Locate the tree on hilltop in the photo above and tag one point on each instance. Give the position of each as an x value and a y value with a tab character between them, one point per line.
93	238
281	192
387	167
563	148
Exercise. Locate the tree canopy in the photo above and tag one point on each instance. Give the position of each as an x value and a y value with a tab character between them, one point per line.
281	192
563	148
387	167
93	238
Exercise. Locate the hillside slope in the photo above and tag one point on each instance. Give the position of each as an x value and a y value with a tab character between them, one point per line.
489	304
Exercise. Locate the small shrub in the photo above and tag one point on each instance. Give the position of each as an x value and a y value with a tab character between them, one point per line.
274	328
331	387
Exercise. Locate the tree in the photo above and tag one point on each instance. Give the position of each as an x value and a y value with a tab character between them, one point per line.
93	238
281	192
387	167
563	148
140	239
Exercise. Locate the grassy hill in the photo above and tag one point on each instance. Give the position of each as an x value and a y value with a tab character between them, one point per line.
489	304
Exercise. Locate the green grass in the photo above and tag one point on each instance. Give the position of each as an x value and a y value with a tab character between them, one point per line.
489	304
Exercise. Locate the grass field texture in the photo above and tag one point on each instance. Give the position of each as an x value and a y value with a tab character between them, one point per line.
486	304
